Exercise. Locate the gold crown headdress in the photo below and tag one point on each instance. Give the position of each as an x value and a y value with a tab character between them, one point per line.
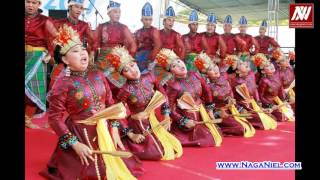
118	58
203	61
67	38
166	57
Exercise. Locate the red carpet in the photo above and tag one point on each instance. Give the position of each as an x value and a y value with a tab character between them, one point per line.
196	163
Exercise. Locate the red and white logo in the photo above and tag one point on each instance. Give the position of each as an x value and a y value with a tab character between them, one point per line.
301	15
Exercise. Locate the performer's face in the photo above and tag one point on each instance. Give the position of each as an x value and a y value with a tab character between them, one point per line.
76	58
193	27
243	29
131	71
75	10
243	67
32	6
227	28
168	23
147	21
115	14
178	68
213	72
262	31
269	69
211	28
284	62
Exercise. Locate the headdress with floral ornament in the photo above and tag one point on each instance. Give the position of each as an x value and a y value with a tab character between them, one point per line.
203	61
277	53
118	58
231	60
260	60
67	38
166	57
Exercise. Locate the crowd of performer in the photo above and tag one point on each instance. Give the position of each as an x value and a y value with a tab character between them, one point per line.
116	98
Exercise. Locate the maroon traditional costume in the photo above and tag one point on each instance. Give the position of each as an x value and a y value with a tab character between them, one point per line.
171	39
39	31
265	42
269	88
149	44
109	35
196	88
250	82
222	92
78	95
137	94
249	43
215	43
287	77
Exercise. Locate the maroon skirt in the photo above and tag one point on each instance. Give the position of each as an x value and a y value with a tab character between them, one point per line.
150	148
66	164
197	136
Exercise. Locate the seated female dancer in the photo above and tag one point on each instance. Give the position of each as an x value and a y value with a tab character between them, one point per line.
81	94
223	97
143	95
187	92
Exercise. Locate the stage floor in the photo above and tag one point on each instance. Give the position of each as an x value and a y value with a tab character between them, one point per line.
196	163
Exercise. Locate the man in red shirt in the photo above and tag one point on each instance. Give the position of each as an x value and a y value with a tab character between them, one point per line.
194	42
147	40
171	39
267	44
213	39
111	34
38	30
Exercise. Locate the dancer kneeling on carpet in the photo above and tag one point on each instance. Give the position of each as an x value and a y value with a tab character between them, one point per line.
223	98
187	92
85	96
144	135
272	93
246	93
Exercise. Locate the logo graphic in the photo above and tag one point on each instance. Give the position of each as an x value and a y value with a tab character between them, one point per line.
301	15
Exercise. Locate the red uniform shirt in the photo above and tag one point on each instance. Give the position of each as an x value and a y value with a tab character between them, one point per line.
232	42
264	44
194	43
111	34
250	41
148	39
214	42
172	40
35	31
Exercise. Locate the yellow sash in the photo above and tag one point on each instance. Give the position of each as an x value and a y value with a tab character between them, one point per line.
285	109
171	145
249	130
186	102
267	121
115	167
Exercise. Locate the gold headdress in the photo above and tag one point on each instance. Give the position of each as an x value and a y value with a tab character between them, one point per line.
118	58
166	57
67	38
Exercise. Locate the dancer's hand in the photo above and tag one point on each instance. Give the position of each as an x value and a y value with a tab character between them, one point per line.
83	151
167	126
210	112
190	124
224	114
136	138
116	138
140	116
